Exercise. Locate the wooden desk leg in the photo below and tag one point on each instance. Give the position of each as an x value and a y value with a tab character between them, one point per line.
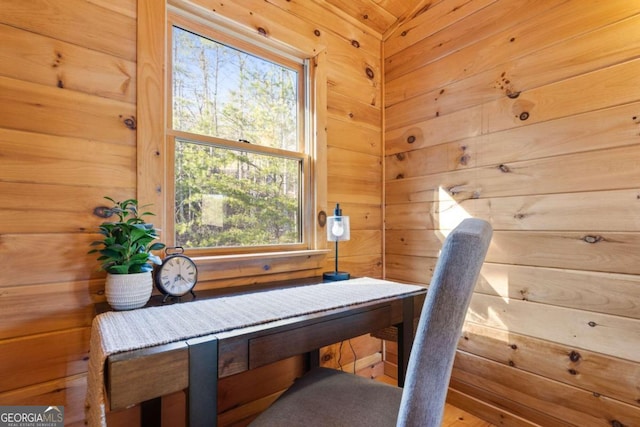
151	413
202	395
405	338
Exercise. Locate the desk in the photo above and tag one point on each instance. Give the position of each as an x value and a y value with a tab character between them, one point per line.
144	375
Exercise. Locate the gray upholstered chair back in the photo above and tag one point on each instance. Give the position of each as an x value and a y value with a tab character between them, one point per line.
438	331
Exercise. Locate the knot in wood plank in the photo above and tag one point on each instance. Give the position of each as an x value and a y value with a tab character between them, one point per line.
370	73
129	122
456	189
592	239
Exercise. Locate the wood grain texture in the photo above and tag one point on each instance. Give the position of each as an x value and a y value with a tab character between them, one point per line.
608	293
35	108
602	170
424	40
38	359
342	107
53	307
429	20
595	372
38	159
370	13
613	210
70	262
76	22
354	164
47	61
568	405
277	25
151	155
43	207
611	335
605	252
564	135
129	381
362	139
474	103
522	40
569	171
533	71
489	415
603	88
66	140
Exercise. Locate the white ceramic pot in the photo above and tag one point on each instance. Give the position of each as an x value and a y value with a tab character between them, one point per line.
128	291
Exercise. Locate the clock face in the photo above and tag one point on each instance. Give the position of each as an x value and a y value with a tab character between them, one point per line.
177	275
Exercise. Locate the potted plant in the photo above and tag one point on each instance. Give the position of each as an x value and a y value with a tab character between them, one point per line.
126	255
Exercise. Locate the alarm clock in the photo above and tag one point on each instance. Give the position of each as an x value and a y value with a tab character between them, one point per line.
177	275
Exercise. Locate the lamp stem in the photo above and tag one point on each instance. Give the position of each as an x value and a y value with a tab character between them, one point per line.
336	256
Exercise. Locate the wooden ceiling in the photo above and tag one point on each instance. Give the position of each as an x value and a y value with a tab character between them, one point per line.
378	16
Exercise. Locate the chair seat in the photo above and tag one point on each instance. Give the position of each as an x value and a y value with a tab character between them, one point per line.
330	398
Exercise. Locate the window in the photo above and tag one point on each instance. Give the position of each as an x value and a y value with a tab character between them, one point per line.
237	130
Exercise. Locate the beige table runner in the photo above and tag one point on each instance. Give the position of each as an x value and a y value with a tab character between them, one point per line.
119	331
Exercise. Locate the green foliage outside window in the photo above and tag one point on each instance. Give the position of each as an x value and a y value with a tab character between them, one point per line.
225	196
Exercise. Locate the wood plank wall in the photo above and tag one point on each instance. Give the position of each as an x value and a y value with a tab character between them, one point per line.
67	104
526	113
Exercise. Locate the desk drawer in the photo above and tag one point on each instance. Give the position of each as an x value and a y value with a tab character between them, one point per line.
279	345
138	375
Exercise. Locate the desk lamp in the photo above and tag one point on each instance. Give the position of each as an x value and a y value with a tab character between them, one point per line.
337	230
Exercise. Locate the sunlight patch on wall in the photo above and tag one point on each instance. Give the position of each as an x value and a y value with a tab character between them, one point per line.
491	316
449	213
492	281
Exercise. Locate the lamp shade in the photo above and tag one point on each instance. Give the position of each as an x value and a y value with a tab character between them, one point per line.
338	228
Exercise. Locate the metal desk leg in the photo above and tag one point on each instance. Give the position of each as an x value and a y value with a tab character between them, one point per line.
405	338
151	413
202	395
312	359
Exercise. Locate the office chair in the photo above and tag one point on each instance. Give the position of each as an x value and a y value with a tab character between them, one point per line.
326	397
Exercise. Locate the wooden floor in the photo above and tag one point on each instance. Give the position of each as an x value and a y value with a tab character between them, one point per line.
457	417
453	417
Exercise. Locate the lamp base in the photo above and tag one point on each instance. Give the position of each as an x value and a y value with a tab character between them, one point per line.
335	276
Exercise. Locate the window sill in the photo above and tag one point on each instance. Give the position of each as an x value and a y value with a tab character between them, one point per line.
222	259
246	268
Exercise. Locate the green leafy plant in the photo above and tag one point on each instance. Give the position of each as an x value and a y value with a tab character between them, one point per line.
128	242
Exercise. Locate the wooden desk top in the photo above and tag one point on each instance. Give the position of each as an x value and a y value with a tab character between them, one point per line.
162	369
